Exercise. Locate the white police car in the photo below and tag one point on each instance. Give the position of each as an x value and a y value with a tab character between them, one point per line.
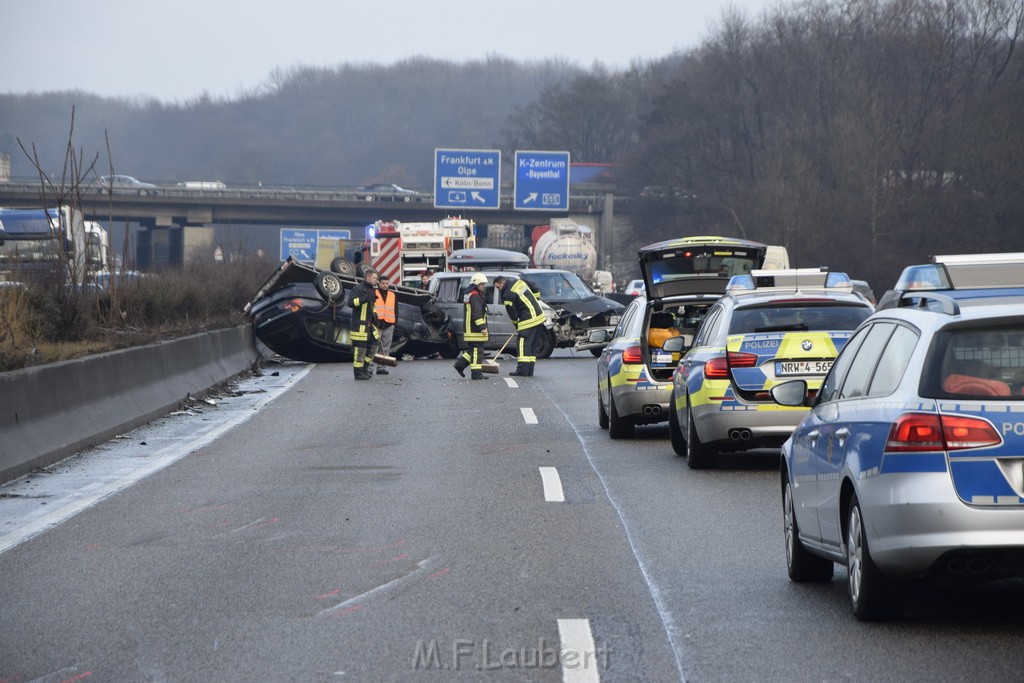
910	462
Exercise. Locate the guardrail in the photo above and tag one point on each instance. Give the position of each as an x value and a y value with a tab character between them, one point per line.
52	411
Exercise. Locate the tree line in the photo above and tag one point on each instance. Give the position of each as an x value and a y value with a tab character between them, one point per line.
862	134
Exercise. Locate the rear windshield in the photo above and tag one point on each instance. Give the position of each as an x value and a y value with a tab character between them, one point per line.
724	261
983	362
777	318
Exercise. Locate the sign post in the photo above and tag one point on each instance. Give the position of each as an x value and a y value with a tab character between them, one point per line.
542	181
467	179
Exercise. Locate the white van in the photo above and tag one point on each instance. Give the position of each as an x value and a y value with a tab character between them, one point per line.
202	185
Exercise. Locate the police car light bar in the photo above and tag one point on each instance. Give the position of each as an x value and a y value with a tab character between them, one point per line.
980	259
789	280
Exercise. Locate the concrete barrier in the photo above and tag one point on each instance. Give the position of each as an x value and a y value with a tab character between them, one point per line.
52	411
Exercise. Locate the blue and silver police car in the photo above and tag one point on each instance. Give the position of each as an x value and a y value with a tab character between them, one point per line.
910	463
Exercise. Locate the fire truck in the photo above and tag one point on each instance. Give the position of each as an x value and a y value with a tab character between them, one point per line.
402	250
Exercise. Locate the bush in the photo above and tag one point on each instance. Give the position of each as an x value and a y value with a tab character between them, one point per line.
42	323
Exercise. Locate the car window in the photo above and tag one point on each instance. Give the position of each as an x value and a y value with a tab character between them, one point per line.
448	290
863	365
776	318
979	362
627	320
707	328
893	362
834	379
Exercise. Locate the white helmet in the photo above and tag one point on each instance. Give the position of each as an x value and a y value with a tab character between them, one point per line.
478	279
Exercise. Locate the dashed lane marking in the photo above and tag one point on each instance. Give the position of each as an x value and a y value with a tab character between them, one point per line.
528	416
579	656
553	492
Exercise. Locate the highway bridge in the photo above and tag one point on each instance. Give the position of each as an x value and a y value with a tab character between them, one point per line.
195	211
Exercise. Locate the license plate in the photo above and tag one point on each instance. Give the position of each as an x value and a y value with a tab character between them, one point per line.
661	358
802	367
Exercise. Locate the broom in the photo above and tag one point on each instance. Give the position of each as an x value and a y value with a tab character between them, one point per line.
390	361
490	366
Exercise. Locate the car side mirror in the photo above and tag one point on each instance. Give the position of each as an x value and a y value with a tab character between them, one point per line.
674	345
792	394
598	337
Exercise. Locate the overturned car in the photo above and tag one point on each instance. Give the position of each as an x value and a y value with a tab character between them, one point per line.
299	313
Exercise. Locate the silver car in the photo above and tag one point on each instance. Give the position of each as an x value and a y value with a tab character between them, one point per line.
910	462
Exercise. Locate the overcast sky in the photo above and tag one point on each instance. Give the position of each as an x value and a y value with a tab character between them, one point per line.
179	49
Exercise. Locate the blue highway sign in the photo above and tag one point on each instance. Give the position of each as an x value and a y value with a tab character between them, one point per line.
467	179
542	181
301	244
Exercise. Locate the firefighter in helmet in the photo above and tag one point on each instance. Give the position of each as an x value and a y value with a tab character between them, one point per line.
361	327
474	328
525	311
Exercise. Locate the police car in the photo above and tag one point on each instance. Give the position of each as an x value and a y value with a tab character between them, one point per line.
682	279
771	326
910	462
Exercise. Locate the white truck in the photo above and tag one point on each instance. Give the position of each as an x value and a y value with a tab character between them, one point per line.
36	242
566	245
403	250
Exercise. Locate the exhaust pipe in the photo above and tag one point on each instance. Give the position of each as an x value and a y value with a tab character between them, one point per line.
739	434
968	565
652	409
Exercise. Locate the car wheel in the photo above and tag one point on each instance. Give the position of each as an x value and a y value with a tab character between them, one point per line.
872	594
675	434
698	456
602	416
803	566
618	427
342	266
329	287
547	345
596	353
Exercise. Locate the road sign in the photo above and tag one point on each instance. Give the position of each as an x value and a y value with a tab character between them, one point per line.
467	179
542	181
301	244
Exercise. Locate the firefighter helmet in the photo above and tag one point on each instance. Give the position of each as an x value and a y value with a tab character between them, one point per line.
478	279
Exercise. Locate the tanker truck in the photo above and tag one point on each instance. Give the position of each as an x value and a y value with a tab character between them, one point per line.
566	245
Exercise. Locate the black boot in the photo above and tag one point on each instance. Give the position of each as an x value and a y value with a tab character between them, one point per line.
478	374
460	365
530	370
382	371
361	373
522	370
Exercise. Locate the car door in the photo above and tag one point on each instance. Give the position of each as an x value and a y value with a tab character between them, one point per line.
499	325
807	444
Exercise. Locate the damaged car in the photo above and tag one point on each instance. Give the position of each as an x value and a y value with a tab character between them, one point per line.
299	313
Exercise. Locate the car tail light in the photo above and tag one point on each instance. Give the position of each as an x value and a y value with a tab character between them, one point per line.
914	432
742	360
292	305
632	355
718	368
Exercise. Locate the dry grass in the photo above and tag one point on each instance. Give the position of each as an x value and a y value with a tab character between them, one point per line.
47	322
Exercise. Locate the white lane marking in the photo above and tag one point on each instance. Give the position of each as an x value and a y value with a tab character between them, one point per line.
511	382
528	416
671	630
578	654
552	485
156	462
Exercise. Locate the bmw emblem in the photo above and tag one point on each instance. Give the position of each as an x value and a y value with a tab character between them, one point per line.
806	345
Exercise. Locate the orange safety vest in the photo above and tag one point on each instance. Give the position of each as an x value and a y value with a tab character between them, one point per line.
385	307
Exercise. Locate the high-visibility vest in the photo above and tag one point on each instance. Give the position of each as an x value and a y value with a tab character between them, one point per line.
385	307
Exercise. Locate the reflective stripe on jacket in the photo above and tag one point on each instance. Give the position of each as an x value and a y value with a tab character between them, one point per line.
522	305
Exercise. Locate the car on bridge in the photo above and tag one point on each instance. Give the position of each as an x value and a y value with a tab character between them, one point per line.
123	183
386	192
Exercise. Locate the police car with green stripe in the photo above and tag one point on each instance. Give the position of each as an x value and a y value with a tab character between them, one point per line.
910	463
771	326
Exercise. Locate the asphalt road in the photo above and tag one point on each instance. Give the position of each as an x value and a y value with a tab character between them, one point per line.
425	527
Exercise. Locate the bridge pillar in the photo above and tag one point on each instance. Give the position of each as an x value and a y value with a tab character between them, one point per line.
173	246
